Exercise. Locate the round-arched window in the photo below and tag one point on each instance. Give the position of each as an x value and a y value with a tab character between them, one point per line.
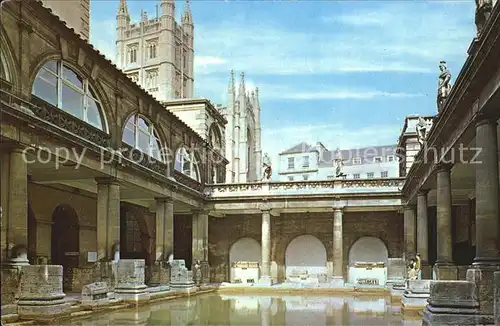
186	163
4	71
215	138
59	85
141	134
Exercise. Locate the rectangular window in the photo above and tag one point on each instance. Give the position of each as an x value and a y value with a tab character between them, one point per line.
384	174
390	158
291	163
356	161
355	175
305	162
377	159
369	175
72	101
306	177
290	178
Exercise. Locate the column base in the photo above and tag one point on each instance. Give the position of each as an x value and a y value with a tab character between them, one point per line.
444	271
483	277
265	281
337	282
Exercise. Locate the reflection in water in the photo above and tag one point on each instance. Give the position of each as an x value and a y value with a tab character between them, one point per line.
214	309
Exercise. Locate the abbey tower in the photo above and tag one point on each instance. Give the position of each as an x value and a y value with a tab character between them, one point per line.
157	52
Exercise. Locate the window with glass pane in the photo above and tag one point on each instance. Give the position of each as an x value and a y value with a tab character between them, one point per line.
60	86
140	134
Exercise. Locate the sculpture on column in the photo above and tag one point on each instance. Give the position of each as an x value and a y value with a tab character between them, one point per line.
339	165
198	272
483	11
266	164
116	251
423	128
444	85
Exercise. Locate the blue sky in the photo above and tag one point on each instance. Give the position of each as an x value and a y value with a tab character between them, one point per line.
345	73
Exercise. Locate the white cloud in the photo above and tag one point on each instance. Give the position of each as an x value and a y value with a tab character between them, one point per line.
343	94
103	37
201	61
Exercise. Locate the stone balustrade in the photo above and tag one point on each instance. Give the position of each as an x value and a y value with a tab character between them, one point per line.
326	187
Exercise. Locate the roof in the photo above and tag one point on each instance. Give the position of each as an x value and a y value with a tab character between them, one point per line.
299	148
117	70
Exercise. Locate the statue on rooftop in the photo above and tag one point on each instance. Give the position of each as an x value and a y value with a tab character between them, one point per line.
444	85
483	11
266	164
423	128
339	164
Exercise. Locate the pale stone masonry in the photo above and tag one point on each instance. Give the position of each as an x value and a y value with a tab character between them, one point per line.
76	14
157	52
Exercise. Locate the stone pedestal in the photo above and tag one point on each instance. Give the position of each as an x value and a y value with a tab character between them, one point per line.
396	271
337	282
94	295
445	272
106	271
160	274
180	276
205	272
41	294
415	296
265	280
483	278
497	298
451	303
131	287
397	291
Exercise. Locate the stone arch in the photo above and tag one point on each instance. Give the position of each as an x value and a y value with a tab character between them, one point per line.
8	60
189	163
368	249
65	241
215	136
105	109
245	249
306	253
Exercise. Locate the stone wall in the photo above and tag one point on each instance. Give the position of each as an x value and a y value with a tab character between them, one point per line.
223	232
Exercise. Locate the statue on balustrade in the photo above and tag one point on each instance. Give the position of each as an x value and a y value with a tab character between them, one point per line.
339	165
423	128
444	85
483	11
266	164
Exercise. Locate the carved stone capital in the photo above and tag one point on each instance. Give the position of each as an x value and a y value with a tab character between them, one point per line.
409	207
483	118
443	167
107	180
423	192
164	199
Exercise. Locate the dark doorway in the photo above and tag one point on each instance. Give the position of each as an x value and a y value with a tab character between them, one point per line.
65	242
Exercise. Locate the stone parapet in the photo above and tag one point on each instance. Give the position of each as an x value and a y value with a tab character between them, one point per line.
415	296
131	286
40	294
160	274
483	278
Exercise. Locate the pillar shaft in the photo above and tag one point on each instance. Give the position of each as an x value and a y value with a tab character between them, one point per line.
487	194
164	228
108	218
443	218
338	255
422	230
200	236
410	228
266	244
17	210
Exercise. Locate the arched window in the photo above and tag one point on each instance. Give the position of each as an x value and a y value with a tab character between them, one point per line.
60	86
215	137
4	71
186	163
141	134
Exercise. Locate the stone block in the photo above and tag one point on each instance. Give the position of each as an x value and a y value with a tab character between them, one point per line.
396	270
415	296
445	272
40	295
10	283
497	298
451	303
180	276
265	281
483	277
337	282
95	295
131	286
160	274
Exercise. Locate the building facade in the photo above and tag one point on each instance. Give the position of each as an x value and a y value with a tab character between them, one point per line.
76	13
157	52
307	162
243	133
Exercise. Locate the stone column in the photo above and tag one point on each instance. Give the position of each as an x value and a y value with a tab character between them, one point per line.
265	267
487	259
17	210
422	232
200	243
160	273
444	269
338	254
409	229
487	194
108	219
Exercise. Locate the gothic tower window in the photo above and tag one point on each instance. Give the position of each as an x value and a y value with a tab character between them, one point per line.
141	134
60	86
152	50
152	79
132	53
186	163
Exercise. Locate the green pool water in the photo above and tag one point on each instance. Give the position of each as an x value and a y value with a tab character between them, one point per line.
220	309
